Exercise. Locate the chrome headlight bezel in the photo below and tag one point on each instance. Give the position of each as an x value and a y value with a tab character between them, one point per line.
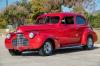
8	36
31	35
18	31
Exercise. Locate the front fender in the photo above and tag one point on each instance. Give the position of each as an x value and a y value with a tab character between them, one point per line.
38	41
45	37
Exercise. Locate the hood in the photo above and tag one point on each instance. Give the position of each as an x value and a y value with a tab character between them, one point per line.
36	27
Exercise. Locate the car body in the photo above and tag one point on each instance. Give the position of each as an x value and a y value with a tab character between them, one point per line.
52	31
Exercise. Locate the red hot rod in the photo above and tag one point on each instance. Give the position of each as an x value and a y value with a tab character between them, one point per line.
50	32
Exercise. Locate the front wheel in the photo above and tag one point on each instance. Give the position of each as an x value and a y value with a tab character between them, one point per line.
14	52
47	49
90	44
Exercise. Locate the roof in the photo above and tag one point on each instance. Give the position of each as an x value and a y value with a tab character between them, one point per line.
60	14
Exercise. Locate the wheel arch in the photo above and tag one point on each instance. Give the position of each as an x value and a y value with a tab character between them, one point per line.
85	35
55	42
52	41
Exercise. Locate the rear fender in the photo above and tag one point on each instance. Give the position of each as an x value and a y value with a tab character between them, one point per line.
84	37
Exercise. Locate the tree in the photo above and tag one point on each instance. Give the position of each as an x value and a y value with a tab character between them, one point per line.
15	15
95	20
55	5
2	22
38	7
27	11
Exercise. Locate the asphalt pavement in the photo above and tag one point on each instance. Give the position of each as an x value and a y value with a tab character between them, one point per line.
63	57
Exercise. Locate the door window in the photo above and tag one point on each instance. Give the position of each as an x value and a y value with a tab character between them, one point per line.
48	19
80	20
68	20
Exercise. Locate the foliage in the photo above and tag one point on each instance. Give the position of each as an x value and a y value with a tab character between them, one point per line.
25	12
95	20
15	15
2	22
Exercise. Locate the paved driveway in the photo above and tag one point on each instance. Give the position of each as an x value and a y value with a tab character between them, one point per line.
64	57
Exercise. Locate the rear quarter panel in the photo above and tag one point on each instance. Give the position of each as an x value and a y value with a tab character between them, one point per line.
85	35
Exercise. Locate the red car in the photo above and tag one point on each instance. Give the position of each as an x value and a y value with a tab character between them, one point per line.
50	32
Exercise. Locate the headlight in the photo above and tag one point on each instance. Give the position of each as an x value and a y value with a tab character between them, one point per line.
31	35
8	36
18	31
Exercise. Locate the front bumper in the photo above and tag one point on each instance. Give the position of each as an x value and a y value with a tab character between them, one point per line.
23	43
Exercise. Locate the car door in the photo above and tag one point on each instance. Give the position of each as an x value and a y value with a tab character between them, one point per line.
67	31
81	25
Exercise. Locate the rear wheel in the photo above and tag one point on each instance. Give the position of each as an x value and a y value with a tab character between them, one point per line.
14	52
47	49
90	44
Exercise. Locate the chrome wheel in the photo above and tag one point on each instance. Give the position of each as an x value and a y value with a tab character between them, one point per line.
47	49
90	44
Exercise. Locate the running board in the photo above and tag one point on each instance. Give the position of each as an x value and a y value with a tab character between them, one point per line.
70	47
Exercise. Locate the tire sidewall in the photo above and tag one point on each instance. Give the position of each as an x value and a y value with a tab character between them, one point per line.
42	51
14	53
89	47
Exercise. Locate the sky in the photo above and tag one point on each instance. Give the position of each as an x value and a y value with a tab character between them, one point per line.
3	3
97	4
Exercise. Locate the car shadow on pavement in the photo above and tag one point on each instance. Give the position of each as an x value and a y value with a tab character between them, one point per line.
33	53
72	50
59	51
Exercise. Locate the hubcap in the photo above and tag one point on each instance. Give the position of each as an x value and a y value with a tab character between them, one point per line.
47	47
90	43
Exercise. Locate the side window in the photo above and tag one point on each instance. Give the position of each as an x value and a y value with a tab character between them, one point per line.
53	20
80	20
68	20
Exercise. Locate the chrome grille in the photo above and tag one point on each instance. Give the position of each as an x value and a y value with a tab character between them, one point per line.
20	40
20	36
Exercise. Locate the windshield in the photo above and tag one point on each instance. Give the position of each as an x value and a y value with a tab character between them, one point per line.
48	19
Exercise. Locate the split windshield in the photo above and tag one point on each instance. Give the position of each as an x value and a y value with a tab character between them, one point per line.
48	19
